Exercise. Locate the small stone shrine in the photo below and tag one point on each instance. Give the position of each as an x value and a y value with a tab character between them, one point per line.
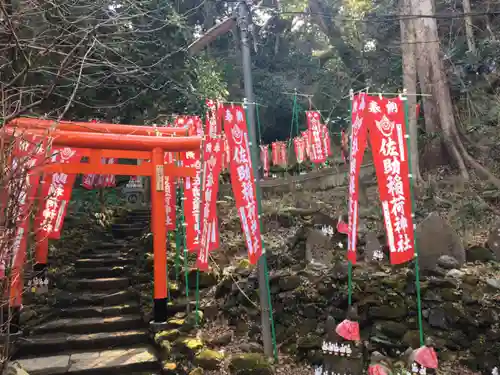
135	193
341	355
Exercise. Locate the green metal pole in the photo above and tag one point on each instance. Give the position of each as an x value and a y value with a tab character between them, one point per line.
415	245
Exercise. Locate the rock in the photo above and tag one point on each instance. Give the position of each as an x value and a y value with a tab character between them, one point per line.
436	238
169	335
392	329
448	262
412	339
309	342
249	364
206	279
387	312
437	318
251	347
479	254
455	274
494	241
319	247
169	368
223	339
289	282
26	315
373	249
209	359
494	283
196	371
14	368
188	345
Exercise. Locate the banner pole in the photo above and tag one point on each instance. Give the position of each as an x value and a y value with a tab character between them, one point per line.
244	23
415	245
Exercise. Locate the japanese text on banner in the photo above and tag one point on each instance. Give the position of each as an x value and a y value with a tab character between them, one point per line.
314	129
192	189
243	179
57	188
28	153
390	157
170	196
358	146
264	159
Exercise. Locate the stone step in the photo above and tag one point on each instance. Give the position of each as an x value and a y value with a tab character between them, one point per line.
99	254
90	325
101	271
99	311
95	299
103	262
98	284
57	343
116	361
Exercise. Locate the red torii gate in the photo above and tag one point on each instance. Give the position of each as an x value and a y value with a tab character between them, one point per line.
119	141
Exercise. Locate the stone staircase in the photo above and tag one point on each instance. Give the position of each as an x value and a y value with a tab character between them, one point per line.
98	328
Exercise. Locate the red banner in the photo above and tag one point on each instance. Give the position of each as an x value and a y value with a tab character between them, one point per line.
242	180
28	153
192	185
212	163
226	159
283	155
390	157
299	147
358	146
264	159
327	144
275	153
110	179
170	196
88	181
307	144
57	188
314	131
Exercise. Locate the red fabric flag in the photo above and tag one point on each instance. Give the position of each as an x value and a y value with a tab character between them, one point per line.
377	370
283	155
28	153
327	145
390	157
57	188
212	161
264	159
359	134
275	154
299	147
307	144
170	196
226	159
212	165
192	189
242	180
426	356
348	330
314	131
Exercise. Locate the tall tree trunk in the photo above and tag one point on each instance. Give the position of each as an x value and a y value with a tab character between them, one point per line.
428	42
471	43
433	154
408	49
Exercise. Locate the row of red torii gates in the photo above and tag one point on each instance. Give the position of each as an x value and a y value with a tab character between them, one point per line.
101	140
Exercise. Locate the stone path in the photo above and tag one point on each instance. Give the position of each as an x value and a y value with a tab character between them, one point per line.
98	329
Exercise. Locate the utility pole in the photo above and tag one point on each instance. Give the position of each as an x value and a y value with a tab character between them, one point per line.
244	21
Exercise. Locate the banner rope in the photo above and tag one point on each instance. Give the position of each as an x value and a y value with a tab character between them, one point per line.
415	245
